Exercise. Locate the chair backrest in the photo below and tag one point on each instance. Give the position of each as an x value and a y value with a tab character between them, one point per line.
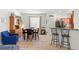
29	31
65	31
53	30
37	30
23	30
6	33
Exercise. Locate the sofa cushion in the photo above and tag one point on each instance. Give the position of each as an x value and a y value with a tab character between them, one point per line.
7	39
5	33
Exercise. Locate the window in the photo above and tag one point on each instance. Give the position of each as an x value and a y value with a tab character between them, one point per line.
34	21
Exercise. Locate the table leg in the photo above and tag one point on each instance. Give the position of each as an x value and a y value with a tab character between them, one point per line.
24	36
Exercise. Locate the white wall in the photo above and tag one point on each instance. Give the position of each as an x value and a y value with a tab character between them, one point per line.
25	19
43	20
5	24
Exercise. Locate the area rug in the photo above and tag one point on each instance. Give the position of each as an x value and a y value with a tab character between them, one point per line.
9	47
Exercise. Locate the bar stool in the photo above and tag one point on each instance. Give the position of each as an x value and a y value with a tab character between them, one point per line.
55	37
65	42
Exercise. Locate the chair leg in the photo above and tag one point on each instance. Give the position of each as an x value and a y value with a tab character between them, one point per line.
24	36
37	35
51	41
58	42
68	44
30	37
55	40
62	40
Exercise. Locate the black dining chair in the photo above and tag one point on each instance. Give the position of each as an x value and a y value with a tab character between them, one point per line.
55	37
30	33
65	42
24	32
37	32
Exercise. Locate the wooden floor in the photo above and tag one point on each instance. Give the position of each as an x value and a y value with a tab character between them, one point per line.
43	43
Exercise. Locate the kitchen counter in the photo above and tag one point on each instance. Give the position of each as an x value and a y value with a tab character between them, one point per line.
68	28
74	37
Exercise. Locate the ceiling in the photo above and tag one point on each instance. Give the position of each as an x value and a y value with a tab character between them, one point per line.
41	11
36	11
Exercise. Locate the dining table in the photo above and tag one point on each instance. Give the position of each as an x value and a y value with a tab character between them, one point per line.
25	31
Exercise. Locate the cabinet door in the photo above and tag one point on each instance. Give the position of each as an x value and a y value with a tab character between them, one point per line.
12	24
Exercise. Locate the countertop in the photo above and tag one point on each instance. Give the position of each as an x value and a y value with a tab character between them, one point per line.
67	28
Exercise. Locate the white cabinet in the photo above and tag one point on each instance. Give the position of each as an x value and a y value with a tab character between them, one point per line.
74	39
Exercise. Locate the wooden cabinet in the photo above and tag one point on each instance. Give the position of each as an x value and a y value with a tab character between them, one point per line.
15	25
12	30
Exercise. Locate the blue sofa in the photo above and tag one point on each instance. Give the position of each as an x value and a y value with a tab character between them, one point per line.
8	38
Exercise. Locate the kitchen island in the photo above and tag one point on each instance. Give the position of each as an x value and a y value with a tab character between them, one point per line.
74	37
